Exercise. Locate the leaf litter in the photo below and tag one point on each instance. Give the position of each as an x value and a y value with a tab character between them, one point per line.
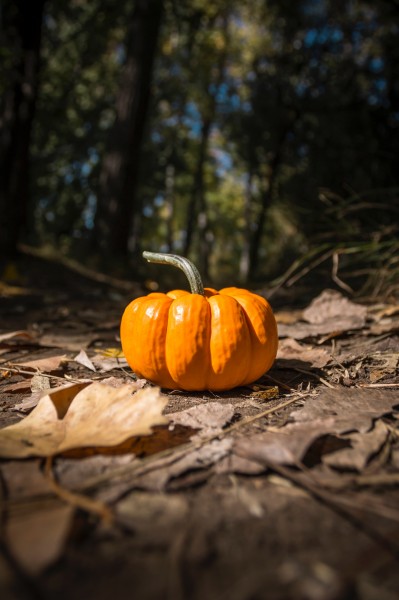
345	428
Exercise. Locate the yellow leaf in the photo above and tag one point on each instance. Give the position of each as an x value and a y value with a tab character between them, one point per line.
110	352
98	415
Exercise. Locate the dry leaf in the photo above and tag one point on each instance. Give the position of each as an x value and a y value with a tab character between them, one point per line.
36	538
11	335
68	340
104	363
39	383
84	360
287	446
196	459
329	313
364	445
209	417
290	349
98	415
352	409
110	352
331	304
18	387
48	364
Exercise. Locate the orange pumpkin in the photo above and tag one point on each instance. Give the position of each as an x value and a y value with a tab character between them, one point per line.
203	340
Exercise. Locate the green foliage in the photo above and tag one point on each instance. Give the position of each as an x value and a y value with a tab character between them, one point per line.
303	103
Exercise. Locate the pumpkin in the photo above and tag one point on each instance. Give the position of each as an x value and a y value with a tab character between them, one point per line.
203	340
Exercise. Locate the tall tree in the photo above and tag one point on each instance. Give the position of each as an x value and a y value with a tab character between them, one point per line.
117	201
20	41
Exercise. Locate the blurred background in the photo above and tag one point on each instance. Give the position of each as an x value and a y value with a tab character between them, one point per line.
257	137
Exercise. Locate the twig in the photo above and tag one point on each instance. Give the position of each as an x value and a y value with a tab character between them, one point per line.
378	385
37	372
74	265
78	500
324	381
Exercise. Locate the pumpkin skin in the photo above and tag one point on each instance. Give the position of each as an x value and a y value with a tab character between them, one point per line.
188	341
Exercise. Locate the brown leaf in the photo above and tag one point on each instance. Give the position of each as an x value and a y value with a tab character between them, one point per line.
11	335
329	313
45	365
364	445
287	446
20	386
98	415
36	538
209	417
351	409
290	349
109	363
331	304
68	340
172	467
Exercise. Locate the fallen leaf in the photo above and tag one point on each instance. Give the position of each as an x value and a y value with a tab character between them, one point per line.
287	446
61	394
18	387
48	364
329	313
36	539
331	304
209	417
200	458
98	415
39	383
290	349
11	335
105	364
385	326
268	392
68	341
352	409
71	473
84	360
364	445
110	352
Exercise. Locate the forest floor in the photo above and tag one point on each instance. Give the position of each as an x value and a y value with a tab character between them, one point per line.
288	488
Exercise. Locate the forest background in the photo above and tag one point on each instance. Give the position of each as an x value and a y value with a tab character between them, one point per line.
258	138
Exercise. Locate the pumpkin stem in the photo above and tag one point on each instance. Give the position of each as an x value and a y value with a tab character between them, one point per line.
185	265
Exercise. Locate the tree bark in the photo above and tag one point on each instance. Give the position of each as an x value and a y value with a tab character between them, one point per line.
21	37
117	202
274	168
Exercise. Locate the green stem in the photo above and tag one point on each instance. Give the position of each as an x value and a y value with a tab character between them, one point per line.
185	265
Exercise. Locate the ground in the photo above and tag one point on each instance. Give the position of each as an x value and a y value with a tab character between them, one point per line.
285	489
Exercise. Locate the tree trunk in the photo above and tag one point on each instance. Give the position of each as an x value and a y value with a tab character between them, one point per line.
197	196
21	37
117	202
245	258
274	168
